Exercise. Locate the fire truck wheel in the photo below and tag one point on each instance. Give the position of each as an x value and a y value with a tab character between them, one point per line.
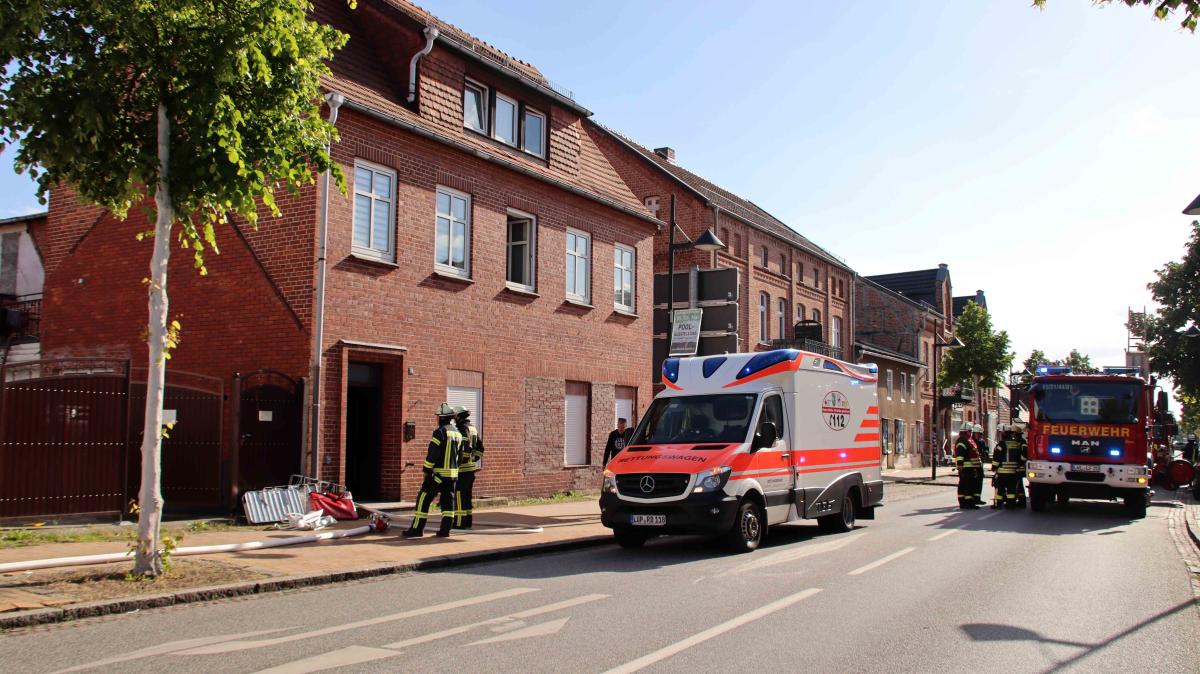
1136	506
630	538
1037	498
749	529
842	522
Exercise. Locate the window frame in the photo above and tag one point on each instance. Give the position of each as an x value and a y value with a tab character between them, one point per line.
781	314
447	268
890	384
816	315
632	271
524	111
388	254
485	99
835	330
530	252
516	123
764	307
903	386
765	254
587	260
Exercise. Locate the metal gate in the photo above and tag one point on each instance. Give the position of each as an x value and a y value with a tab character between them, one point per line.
63	436
269	429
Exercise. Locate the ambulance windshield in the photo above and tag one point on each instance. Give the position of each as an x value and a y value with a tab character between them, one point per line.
1094	402
696	420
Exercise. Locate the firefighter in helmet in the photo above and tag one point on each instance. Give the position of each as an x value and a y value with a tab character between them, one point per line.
472	454
1006	462
970	469
441	472
1018	485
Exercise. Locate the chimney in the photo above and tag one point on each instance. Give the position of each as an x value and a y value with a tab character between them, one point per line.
666	153
943	266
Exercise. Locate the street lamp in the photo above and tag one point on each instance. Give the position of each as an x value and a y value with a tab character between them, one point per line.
706	242
954	343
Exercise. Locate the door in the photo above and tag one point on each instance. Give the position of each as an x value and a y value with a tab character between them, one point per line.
269	429
364	424
772	465
626	405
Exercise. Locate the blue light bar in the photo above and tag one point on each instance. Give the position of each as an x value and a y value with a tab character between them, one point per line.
1119	370
1114	452
670	370
766	359
1056	450
1053	369
711	365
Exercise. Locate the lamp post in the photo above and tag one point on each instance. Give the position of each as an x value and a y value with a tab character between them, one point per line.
954	343
706	242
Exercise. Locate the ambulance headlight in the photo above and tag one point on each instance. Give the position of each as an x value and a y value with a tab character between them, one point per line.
712	480
610	482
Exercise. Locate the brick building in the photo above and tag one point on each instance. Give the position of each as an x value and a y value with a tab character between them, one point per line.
785	278
486	252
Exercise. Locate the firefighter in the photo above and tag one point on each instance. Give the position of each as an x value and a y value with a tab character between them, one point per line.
472	454
970	467
1018	485
984	456
1006	462
441	472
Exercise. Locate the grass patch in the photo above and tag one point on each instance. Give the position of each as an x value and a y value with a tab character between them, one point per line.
561	497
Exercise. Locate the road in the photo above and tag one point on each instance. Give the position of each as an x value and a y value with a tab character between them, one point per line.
925	587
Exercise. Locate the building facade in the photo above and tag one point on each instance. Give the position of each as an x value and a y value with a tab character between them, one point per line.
485	252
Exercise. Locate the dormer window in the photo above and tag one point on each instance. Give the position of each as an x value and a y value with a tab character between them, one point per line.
533	136
475	107
506	120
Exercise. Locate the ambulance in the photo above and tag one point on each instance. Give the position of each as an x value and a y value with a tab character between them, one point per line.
739	442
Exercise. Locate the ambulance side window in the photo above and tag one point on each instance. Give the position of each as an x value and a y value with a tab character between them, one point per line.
773	411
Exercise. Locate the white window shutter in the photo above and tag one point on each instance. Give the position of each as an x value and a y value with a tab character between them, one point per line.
575	443
470	399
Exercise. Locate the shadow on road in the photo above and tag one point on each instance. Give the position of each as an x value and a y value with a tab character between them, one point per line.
997	632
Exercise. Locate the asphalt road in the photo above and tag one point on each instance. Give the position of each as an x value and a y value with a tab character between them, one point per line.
922	588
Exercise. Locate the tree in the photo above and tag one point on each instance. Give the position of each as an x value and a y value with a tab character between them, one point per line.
984	358
212	106
1036	357
1177	291
1079	363
1162	9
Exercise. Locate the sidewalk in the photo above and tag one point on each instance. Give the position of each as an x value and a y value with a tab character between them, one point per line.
946	475
39	596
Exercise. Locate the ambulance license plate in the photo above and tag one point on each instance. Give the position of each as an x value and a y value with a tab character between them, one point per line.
1085	467
648	520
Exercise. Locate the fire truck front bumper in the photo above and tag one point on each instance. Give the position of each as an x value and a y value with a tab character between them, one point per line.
1099	481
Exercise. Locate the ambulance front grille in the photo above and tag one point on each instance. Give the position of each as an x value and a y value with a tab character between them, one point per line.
660	485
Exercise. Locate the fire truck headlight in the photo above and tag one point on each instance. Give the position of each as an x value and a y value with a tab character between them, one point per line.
1141	480
1032	474
712	480
610	482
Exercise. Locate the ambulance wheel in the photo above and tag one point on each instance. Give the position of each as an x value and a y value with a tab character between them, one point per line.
1135	505
749	528
842	522
630	538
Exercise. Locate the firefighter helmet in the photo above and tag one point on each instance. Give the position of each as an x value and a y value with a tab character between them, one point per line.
445	410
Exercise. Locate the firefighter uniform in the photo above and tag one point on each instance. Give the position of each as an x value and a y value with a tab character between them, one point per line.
472	453
1007	464
984	456
441	473
970	470
1018	485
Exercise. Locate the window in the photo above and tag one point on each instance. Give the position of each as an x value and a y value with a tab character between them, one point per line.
475	107
885	426
522	247
900	433
373	210
763	302
765	255
800	315
912	388
783	265
782	317
469	397
925	356
800	272
816	315
835	334
626	407
772	411
577	272
816	278
652	205
903	385
533	133
506	120
623	275
575	436
889	384
452	246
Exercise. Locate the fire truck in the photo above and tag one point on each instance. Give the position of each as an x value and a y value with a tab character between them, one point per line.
1090	437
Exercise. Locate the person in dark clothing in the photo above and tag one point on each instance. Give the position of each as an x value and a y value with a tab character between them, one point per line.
472	455
970	470
1189	450
616	441
441	472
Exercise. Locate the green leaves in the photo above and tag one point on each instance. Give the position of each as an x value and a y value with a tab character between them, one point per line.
984	355
1162	9
1177	291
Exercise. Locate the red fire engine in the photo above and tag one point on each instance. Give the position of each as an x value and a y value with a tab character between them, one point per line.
1091	436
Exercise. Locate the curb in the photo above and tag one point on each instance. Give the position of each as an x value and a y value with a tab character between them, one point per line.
918	480
43	616
1188	516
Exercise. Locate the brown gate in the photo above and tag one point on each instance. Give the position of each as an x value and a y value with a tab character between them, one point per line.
269	429
62	436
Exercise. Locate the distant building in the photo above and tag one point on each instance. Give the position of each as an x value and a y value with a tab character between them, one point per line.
21	285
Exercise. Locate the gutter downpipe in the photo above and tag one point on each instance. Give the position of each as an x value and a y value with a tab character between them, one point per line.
335	101
431	35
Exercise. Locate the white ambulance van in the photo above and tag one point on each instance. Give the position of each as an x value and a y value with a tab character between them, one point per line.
738	442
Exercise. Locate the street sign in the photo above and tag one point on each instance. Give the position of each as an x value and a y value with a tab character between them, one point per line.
685	335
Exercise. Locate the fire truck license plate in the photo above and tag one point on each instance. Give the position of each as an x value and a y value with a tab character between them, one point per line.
1085	467
648	520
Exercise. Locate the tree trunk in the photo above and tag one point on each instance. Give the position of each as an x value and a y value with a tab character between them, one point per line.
148	562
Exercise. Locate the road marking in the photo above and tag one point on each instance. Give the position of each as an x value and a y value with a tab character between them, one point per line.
342	657
232	646
542	630
664	653
945	534
792	555
880	562
169	647
519	615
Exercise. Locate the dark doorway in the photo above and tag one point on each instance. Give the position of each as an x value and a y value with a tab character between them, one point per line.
364	426
269	429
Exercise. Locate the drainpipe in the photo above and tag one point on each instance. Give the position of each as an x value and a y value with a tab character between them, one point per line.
335	101
431	34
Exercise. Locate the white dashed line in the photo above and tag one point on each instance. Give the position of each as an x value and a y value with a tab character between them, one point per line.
880	562
945	534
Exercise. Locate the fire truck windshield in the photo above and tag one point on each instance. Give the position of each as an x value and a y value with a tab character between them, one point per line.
696	420
1096	402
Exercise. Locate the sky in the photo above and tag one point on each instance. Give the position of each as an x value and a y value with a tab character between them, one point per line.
1044	155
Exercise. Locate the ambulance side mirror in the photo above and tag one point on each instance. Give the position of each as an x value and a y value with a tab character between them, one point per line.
766	436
